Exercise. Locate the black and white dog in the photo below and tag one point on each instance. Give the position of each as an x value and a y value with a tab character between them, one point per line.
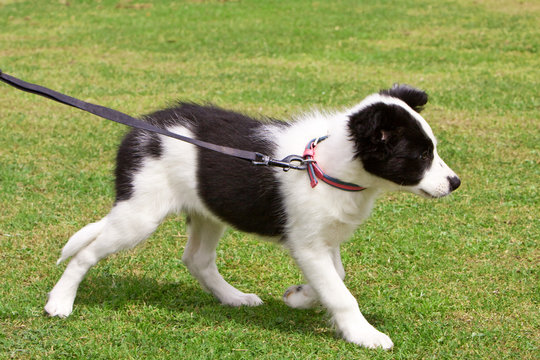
382	144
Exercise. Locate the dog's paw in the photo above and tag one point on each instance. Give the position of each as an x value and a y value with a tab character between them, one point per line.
242	300
59	306
300	297
370	338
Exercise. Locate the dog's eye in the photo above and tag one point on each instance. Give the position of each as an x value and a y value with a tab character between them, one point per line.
424	155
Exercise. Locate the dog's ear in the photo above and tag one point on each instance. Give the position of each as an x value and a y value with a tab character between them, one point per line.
373	127
413	97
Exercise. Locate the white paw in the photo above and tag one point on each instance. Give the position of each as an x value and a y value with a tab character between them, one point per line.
370	338
300	297
242	300
60	306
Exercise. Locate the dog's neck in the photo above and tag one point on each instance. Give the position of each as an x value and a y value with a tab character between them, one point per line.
335	155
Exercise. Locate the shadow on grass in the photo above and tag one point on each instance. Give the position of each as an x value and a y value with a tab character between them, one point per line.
118	292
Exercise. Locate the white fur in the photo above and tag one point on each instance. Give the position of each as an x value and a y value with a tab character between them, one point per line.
319	219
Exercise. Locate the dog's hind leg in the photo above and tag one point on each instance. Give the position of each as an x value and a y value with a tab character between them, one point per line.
200	259
124	227
303	296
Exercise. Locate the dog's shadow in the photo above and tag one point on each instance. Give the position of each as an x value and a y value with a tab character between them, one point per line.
115	292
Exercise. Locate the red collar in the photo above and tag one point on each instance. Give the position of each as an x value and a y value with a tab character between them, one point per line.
315	171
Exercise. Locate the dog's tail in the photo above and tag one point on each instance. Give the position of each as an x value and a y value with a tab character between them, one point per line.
81	239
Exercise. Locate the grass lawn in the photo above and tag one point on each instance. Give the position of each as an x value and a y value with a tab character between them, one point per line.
450	279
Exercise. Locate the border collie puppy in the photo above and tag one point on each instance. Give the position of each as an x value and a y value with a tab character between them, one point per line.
382	144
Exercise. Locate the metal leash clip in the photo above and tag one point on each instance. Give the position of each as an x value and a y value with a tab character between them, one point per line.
296	162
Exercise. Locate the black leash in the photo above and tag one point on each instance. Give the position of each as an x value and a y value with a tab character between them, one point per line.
256	158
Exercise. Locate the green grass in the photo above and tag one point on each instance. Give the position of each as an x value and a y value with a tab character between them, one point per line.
456	278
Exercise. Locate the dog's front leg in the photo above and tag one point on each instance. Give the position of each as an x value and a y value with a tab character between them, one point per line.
303	296
318	266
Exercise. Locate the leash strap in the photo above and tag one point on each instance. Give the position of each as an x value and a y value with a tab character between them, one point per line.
119	117
315	172
290	162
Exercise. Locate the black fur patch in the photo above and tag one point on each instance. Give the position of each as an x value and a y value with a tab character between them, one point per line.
244	195
413	97
391	143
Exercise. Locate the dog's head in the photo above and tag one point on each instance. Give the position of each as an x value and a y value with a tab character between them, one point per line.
394	142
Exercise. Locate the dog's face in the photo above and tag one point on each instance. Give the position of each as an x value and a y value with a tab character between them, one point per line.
395	143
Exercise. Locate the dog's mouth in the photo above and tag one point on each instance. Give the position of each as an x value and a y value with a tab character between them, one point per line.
430	196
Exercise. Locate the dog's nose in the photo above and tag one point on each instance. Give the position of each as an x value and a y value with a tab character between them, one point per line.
454	182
